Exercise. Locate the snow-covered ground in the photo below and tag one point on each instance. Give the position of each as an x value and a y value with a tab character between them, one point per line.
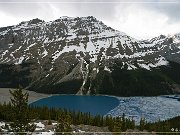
40	129
150	108
43	129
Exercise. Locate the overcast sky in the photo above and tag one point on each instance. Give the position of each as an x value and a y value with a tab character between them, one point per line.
140	19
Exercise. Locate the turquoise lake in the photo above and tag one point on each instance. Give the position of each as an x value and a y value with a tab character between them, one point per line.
93	104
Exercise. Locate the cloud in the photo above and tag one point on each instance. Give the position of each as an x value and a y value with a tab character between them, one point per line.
170	8
141	22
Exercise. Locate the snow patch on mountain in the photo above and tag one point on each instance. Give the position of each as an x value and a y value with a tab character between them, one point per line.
144	66
161	61
20	60
27	49
107	69
176	38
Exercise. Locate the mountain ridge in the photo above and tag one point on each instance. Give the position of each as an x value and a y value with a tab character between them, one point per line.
72	51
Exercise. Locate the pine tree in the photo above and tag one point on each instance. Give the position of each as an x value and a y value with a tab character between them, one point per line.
117	126
21	120
142	124
123	122
166	127
109	122
49	120
64	125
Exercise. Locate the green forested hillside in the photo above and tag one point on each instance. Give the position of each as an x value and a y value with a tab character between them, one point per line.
120	82
139	82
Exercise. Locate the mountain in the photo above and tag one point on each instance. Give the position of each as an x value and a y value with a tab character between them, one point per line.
82	55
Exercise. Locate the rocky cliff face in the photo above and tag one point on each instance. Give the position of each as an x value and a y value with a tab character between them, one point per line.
65	55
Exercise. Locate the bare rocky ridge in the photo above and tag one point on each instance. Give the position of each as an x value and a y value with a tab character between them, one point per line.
65	55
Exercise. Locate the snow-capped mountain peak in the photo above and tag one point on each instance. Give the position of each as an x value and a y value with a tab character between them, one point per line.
52	49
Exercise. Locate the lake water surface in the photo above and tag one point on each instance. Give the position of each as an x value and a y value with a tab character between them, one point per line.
150	108
93	104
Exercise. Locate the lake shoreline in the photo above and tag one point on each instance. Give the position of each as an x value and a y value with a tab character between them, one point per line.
35	96
153	108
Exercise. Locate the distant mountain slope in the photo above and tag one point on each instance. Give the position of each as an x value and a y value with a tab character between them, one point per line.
68	54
